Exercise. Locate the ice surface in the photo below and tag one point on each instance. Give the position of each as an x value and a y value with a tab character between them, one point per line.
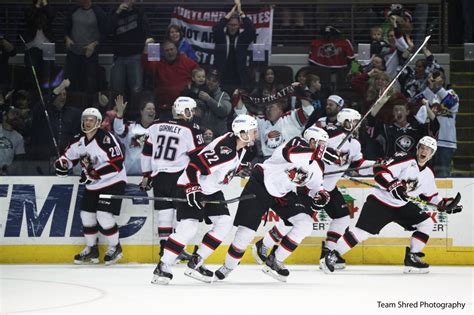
54	289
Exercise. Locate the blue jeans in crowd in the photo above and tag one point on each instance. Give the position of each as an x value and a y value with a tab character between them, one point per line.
442	161
127	71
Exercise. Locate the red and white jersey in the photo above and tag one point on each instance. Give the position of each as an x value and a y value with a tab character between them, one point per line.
351	153
132	135
168	146
331	53
104	155
293	165
420	181
215	165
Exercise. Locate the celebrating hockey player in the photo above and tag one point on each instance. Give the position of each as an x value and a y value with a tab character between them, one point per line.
400	179
294	164
164	157
103	173
203	180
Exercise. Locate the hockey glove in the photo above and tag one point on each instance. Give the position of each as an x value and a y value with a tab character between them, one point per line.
85	179
61	166
449	205
146	183
244	169
331	156
321	199
194	195
398	190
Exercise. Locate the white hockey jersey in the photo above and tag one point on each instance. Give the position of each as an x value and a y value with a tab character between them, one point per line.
132	135
103	154
293	165
215	165
352	157
290	125
168	146
420	181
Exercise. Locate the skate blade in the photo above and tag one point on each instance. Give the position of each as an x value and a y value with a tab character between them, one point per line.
339	266
92	261
270	272
160	280
255	255
324	267
196	275
414	270
113	261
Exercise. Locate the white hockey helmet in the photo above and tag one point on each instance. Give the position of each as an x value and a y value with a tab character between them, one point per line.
320	136
91	111
181	104
430	142
244	123
348	114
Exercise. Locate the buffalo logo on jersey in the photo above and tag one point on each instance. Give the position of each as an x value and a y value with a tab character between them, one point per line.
298	176
404	143
226	150
410	184
228	177
273	139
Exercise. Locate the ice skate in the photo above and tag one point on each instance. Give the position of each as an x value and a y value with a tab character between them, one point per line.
414	264
340	263
222	272
162	274
274	268
197	270
328	263
259	252
113	254
89	255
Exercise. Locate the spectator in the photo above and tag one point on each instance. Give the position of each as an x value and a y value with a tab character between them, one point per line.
208	136
445	104
128	27
65	122
402	134
277	126
38	30
7	50
213	105
266	87
172	73
334	104
231	47
132	134
331	54
175	34
86	26
198	83
378	46
11	142
22	103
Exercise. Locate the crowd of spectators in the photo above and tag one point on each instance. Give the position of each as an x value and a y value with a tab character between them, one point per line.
418	104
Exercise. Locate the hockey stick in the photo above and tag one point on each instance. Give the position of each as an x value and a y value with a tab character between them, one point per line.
349	170
48	120
412	199
174	199
385	91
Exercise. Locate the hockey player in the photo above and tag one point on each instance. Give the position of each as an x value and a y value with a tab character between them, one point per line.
337	209
103	173
205	176
164	157
294	164
401	177
132	134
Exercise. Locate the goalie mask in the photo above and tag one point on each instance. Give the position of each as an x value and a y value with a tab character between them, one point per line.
348	118
91	112
184	106
245	124
317	139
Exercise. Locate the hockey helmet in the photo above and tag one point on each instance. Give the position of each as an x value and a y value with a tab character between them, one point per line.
244	123
348	114
91	111
430	143
181	104
320	136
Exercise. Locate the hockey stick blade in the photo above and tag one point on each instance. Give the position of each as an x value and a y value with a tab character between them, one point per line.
172	199
454	204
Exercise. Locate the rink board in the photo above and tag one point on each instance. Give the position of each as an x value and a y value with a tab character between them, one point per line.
40	223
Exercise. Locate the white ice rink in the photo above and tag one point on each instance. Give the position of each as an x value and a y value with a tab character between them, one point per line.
53	289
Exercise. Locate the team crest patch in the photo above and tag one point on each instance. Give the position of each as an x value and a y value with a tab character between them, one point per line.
228	177
298	176
404	143
226	150
107	140
410	184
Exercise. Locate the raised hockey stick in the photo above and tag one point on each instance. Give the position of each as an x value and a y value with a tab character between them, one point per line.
385	91
174	199
413	199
